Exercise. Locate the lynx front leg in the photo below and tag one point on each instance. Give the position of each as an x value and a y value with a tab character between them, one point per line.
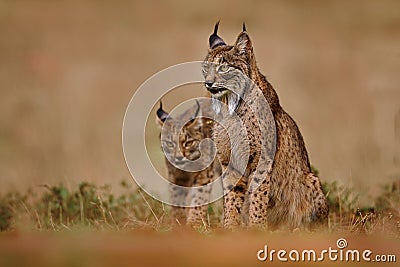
178	197
233	199
178	212
259	198
200	197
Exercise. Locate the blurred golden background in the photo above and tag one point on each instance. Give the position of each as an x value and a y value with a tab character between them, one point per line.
69	68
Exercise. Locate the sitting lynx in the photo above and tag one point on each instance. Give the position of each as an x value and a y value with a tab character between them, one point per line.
290	195
180	152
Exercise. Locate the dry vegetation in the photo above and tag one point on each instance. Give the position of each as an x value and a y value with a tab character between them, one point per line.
58	208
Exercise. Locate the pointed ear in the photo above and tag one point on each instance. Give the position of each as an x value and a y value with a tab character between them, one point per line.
196	121
243	44
161	115
195	124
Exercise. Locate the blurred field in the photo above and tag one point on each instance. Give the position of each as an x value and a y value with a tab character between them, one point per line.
69	68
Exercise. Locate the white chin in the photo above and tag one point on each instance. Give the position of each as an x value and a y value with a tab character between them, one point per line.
233	100
216	105
229	98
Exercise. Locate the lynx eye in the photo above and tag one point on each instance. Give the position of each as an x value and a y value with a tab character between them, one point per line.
223	68
169	144
205	67
189	143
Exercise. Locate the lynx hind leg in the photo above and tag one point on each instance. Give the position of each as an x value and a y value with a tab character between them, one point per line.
320	206
234	198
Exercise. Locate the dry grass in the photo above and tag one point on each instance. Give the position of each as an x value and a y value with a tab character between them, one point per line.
58	208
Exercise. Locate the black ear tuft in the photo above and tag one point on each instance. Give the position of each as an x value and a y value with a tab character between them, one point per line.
216	28
244	27
161	114
197	109
214	39
197	112
196	119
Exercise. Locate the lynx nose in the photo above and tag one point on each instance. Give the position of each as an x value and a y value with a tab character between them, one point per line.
208	84
179	158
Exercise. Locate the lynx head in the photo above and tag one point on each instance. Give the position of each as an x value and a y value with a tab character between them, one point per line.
227	69
181	141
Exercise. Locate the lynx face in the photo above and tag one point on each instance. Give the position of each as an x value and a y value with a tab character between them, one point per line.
227	86
182	140
181	145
